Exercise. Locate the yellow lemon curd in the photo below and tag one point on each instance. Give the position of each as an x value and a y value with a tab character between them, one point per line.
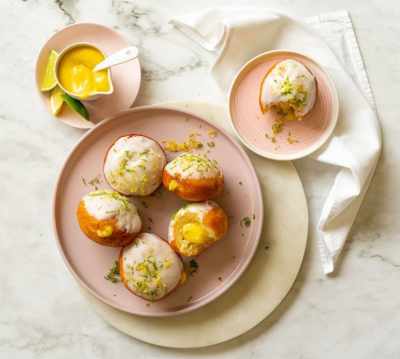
76	75
195	233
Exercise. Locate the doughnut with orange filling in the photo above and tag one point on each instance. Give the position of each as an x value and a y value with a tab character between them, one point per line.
289	88
197	226
193	177
108	218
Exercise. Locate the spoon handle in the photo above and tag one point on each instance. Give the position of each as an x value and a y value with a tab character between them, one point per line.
119	57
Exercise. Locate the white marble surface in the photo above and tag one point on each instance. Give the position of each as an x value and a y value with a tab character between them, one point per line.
42	314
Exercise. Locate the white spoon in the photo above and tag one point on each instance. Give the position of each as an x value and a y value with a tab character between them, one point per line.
119	57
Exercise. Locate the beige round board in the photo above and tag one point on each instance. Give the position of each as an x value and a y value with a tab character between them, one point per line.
264	284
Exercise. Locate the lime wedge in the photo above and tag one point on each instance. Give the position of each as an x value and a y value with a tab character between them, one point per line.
56	100
76	105
49	79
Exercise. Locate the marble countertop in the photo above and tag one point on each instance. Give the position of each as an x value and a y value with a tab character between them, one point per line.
355	314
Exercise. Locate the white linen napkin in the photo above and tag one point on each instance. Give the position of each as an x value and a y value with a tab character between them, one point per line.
237	35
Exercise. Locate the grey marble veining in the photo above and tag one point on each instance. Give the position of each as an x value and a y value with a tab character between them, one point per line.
355	314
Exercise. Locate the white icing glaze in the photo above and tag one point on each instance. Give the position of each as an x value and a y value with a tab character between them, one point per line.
288	81
134	165
188	165
105	204
149	247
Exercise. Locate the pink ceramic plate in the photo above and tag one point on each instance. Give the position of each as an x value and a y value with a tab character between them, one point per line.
219	267
125	77
298	138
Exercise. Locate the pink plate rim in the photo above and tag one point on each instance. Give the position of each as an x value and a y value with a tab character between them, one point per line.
83	124
308	150
213	295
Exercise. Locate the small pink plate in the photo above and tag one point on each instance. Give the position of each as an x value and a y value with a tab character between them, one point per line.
298	138
125	78
219	267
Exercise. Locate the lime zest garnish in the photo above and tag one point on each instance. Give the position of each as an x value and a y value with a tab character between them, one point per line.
113	274
246	222
115	195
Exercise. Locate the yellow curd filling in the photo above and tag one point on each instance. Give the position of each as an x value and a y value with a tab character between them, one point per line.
105	231
75	72
195	233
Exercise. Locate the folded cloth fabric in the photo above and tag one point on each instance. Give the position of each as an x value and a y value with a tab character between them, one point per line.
237	35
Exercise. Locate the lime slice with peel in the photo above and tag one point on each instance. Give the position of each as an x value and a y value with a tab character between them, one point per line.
76	105
49	79
56	100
